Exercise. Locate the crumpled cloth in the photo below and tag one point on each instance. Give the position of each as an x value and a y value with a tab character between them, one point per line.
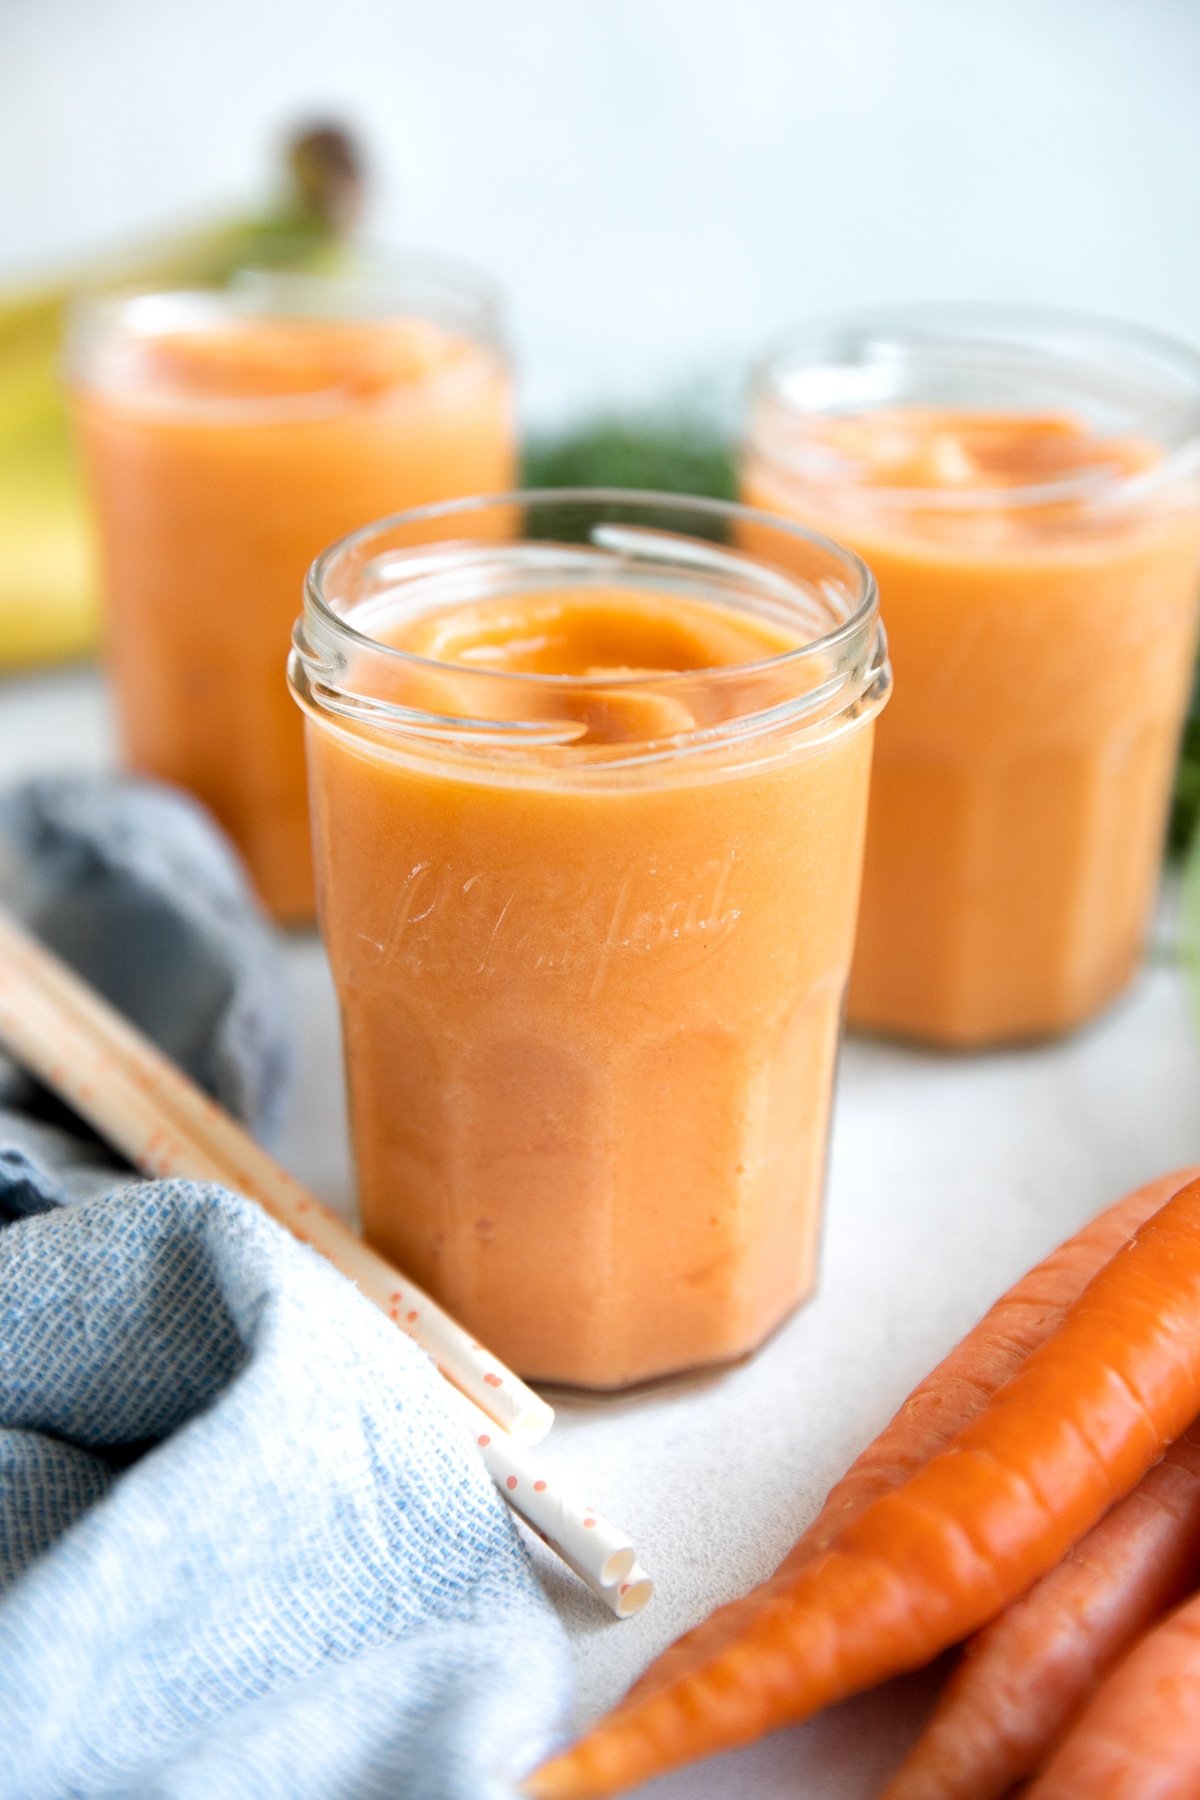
245	1550
132	884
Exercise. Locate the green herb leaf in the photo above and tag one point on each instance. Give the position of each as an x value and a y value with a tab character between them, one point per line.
676	449
1185	806
1190	936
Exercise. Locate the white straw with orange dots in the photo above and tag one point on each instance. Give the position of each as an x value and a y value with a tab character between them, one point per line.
116	1079
600	1553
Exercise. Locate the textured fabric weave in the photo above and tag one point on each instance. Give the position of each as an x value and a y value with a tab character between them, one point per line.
133	884
245	1552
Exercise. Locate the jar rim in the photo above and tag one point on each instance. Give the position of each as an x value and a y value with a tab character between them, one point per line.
865	609
1061	337
377	288
853	676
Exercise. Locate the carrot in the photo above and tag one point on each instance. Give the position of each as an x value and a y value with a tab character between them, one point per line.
1028	1674
1076	1427
1140	1737
990	1354
937	1409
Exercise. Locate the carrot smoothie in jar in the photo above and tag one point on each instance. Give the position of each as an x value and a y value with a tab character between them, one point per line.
227	437
1024	487
589	788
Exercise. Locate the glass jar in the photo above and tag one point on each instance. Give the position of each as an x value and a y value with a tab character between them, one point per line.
227	436
589	784
1023	484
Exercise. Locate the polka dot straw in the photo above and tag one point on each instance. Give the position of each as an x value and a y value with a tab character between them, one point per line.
599	1552
143	1104
114	1077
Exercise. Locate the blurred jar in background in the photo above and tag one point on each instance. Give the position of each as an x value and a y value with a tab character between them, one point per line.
227	438
1023	484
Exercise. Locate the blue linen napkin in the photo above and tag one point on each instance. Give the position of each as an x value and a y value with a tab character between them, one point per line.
132	884
245	1551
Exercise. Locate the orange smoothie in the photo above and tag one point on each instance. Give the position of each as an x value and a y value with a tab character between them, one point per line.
588	825
1038	574
225	445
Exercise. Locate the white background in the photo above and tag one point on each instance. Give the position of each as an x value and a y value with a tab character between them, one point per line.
659	184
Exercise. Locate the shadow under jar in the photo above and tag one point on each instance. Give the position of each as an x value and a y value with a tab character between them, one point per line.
589	787
1023	483
229	436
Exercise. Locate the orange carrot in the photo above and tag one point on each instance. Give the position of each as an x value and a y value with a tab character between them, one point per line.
1076	1428
939	1408
1140	1737
989	1355
1028	1674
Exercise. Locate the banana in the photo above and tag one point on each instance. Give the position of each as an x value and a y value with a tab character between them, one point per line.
48	589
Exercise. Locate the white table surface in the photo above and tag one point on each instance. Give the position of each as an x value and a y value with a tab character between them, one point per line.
949	1176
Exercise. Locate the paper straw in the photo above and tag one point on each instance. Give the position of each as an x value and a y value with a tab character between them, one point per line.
634	1592
598	1551
135	1097
138	1100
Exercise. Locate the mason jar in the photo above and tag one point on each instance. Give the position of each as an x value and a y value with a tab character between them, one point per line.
227	436
589	786
1023	483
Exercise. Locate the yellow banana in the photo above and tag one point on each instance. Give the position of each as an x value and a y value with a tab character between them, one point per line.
48	601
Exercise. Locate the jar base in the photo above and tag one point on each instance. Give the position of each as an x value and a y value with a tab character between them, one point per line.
863	1021
692	1374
